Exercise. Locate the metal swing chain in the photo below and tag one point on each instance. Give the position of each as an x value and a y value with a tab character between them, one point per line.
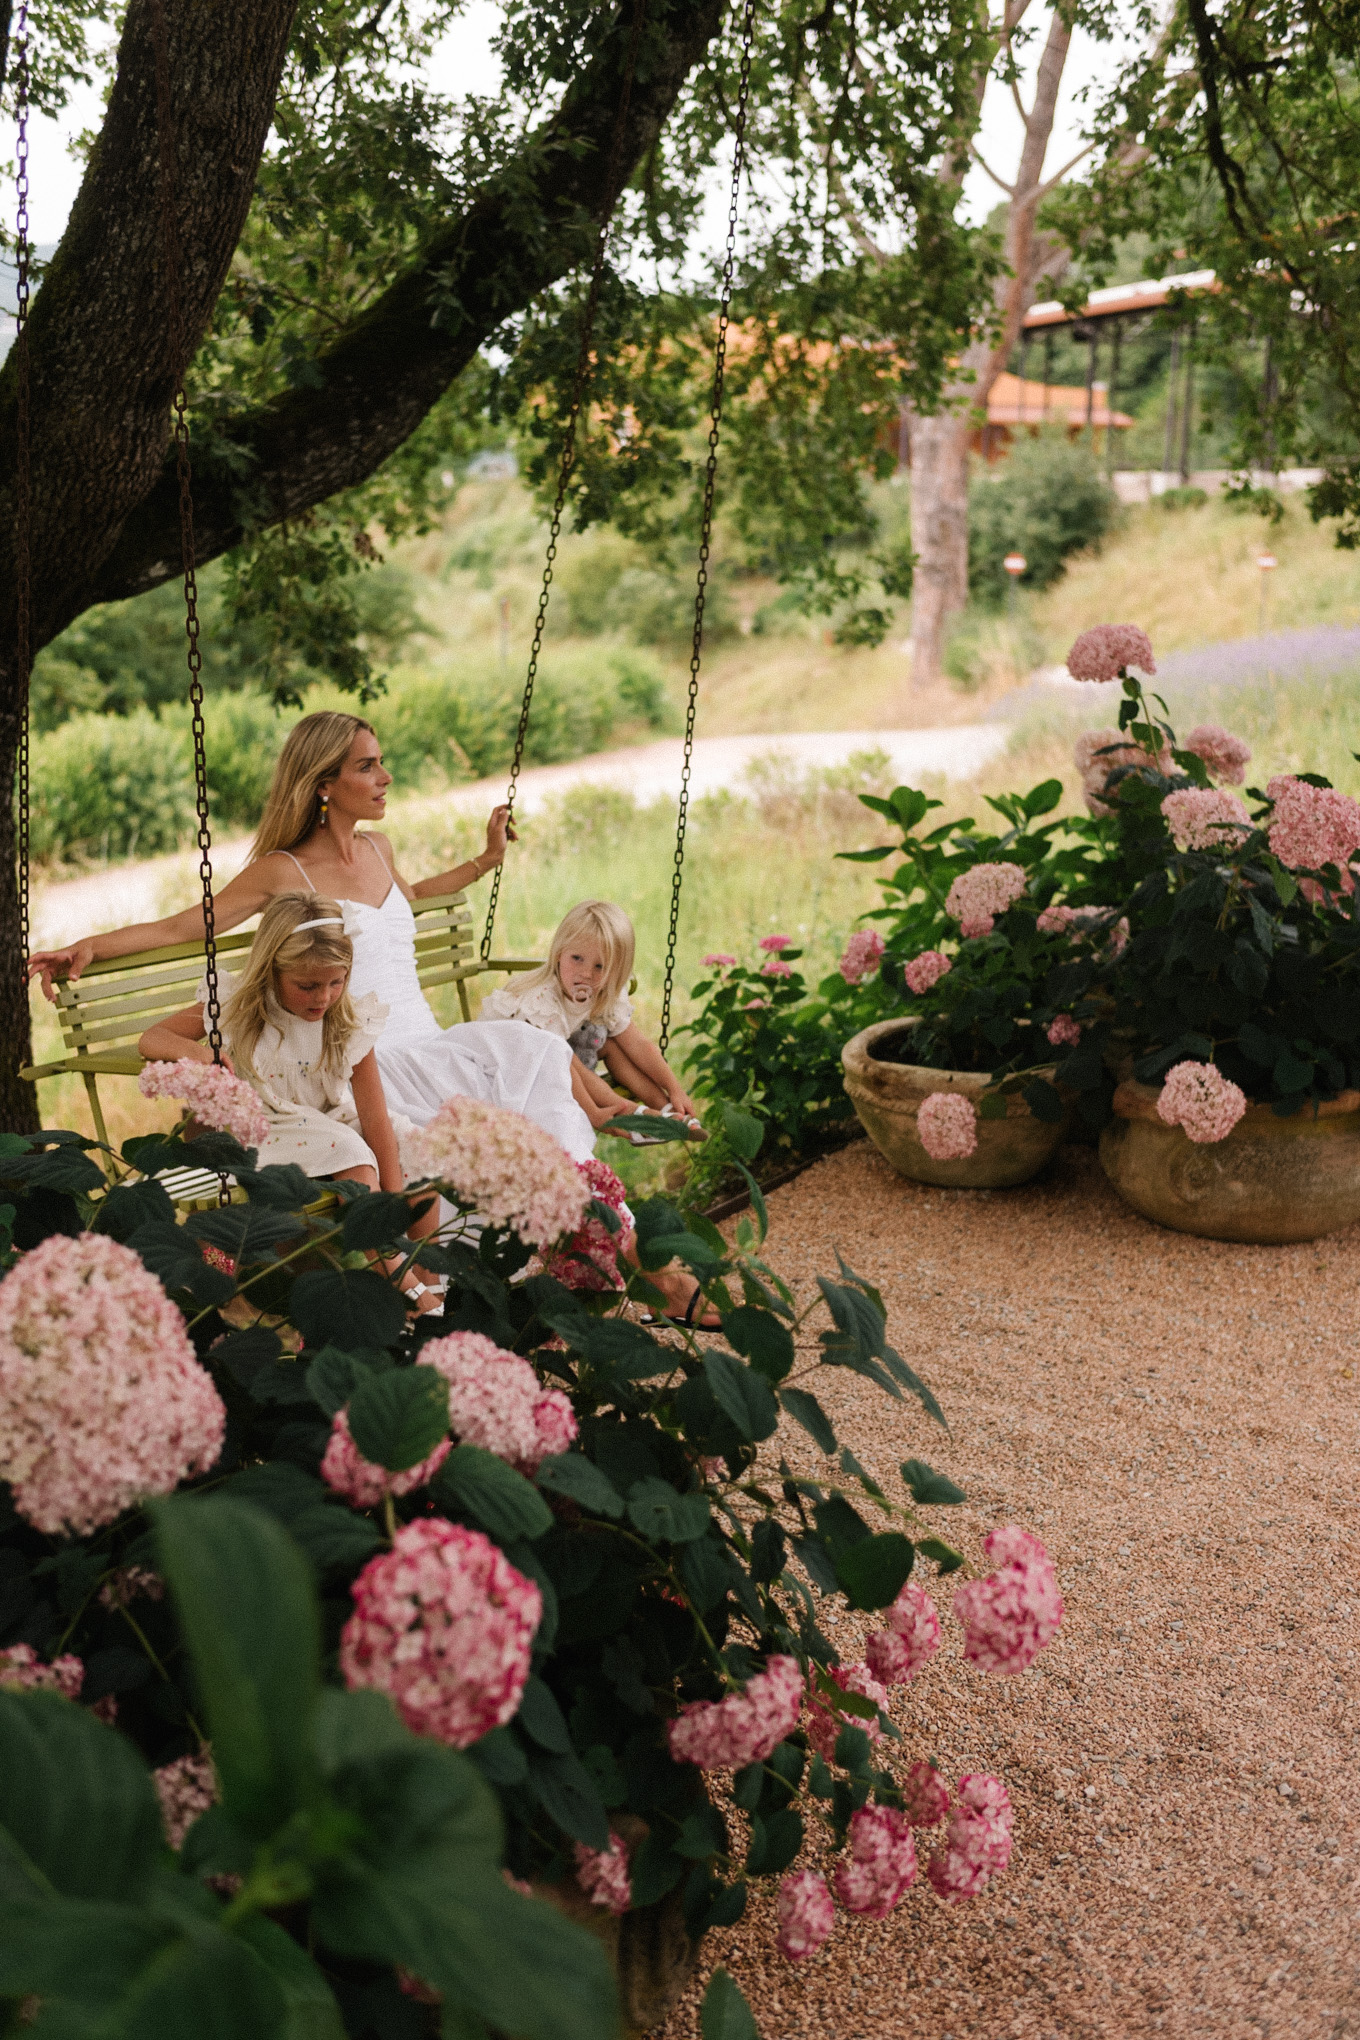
567	464
23	466
706	519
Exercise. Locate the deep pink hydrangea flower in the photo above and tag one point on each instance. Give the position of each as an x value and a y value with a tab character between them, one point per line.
23	1671
926	970
1199	1099
1063	1032
976	897
925	1796
947	1126
603	1874
102	1399
806	1915
1103	652
977	1842
509	1171
824	1724
859	959
443	1624
1012	1614
881	1865
776	968
1226	756
718	961
589	1259
775	942
497	1401
186	1788
1205	818
1054	920
722	1735
897	1653
214	1096
360	1480
1313	826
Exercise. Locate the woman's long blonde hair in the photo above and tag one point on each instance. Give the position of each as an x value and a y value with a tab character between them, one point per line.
596	921
282	944
316	749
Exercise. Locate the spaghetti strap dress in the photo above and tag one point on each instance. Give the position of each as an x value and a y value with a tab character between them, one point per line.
422	1064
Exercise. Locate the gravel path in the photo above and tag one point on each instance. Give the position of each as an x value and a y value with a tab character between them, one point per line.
1178	1420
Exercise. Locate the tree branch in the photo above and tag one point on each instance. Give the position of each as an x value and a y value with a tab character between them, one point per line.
976	155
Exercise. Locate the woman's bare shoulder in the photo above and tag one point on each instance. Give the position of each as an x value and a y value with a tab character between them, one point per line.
383	845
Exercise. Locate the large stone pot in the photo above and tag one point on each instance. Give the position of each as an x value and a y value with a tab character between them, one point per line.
1271	1181
887	1096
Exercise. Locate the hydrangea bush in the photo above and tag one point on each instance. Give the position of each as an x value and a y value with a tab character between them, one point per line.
335	1634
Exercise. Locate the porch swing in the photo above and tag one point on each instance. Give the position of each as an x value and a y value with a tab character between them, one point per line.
104	1012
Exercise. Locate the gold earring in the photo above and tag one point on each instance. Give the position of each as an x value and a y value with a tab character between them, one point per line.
325	804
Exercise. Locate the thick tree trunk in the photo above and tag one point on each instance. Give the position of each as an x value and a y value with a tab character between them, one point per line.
939	535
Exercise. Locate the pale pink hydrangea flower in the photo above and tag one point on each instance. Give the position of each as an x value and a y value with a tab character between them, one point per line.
361	1481
213	1095
976	897
1055	920
102	1399
1313	826
824	1724
897	1653
1098	753
926	970
1205	818
444	1625
1012	1614
1103	652
775	942
1226	756
497	1401
861	954
977	1842
947	1126
127	1583
806	1915
510	1171
882	1862
722	1735
925	1796
23	1671
1063	1032
603	1874
1198	1098
186	1788
776	968
718	961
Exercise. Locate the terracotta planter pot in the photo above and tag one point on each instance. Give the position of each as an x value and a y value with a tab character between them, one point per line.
1271	1181
887	1096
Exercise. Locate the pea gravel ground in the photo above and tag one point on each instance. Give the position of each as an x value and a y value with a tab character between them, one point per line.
1177	1419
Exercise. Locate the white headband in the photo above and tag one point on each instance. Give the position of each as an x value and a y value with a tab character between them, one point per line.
326	921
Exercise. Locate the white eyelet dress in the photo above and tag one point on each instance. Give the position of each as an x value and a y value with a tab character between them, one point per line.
422	1064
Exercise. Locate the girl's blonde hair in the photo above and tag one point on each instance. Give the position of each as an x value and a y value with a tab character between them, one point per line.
595	921
316	749
281	943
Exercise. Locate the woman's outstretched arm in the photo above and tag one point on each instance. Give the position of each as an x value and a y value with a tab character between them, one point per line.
235	903
499	832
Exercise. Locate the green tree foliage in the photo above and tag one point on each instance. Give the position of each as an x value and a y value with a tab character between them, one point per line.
1048	500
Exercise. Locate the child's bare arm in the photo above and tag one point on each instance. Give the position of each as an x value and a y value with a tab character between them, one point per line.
178	1038
632	1047
375	1122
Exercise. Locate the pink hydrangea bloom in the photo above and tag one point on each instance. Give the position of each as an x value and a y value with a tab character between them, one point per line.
102	1400
360	1480
722	1735
127	1583
947	1125
604	1186
1063	1032
1198	1098
925	1796
503	1166
186	1788
775	942
806	1915
497	1401
776	968
882	1862
1226	756
1104	652
1312	826
824	1724
926	970
23	1671
1205	818
977	1842
976	897
1098	753
1012	1614
589	1259
212	1094
603	1874
897	1653
1054	920
444	1625
860	957
717	961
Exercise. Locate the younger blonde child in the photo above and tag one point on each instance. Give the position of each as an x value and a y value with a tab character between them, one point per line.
292	1031
581	994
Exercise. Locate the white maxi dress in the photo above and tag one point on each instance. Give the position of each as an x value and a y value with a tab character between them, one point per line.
421	1063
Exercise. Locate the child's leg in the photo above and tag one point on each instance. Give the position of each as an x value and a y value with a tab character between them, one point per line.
594	1096
625	1071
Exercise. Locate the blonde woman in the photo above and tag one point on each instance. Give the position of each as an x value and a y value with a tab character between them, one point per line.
581	994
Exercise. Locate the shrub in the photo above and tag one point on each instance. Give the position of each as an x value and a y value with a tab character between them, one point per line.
110	786
1048	500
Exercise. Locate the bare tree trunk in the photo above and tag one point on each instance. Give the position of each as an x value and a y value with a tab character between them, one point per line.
939	534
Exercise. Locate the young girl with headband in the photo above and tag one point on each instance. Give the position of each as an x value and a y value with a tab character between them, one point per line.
293	1032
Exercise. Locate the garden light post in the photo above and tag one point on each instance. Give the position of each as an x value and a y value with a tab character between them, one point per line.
1015	564
1267	563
